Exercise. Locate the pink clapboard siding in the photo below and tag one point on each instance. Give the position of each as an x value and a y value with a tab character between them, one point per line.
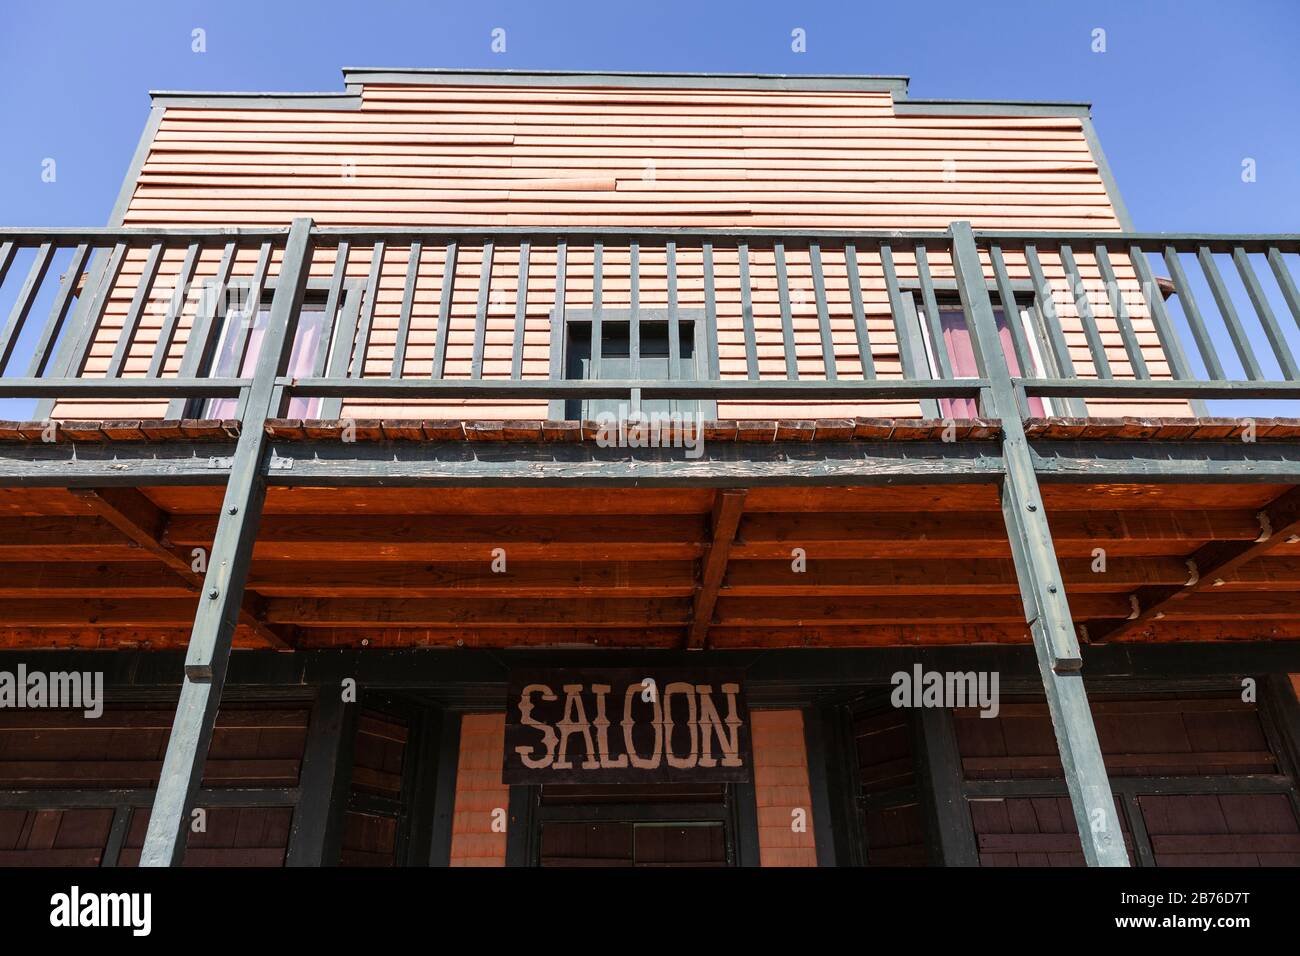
432	156
481	797
785	819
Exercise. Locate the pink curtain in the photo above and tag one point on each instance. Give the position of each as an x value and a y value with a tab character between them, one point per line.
302	360
961	353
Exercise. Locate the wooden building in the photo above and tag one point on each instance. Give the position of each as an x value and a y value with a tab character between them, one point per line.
609	469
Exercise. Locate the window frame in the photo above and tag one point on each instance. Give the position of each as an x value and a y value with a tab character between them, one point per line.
561	348
1030	317
316	291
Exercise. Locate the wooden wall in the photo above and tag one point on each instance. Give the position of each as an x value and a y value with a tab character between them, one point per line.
252	747
893	827
1219	737
370	831
781	788
479	792
488	156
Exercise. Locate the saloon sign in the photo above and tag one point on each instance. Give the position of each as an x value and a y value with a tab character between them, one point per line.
626	726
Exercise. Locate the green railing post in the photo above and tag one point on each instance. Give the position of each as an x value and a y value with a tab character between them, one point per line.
1038	574
223	585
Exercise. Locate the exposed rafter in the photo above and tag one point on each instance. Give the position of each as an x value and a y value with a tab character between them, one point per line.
727	506
144	523
1210	566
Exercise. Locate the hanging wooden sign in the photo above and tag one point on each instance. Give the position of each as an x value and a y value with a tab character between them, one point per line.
626	726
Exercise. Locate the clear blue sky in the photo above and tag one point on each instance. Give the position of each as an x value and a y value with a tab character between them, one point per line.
1184	91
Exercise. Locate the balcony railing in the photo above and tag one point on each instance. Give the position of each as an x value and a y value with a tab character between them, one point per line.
524	323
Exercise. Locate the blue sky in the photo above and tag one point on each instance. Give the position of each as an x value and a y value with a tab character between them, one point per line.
1184	92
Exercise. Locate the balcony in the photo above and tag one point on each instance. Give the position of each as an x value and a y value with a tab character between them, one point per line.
415	333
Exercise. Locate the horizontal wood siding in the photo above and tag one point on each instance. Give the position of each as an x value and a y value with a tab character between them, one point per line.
253	747
569	157
480	793
781	789
369	836
1211	737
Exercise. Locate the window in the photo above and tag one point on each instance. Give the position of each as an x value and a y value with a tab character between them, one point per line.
241	345
616	363
961	354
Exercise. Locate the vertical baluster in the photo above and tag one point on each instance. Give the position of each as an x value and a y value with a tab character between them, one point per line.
199	344
480	312
1083	308
521	314
911	353
711	315
933	321
251	310
674	327
1169	341
367	317
823	313
80	353
1192	311
180	293
634	320
1285	282
747	313
1046	305
342	329
1236	331
1011	311
444	311
597	310
1265	312
131	324
908	351
1120	311
859	313
7	252
404	317
23	305
343	323
787	322
555	409
59	311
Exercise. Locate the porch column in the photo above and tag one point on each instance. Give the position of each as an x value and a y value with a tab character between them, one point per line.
1038	574
223	585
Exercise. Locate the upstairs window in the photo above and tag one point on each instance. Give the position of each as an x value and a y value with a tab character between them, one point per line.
241	344
960	351
616	361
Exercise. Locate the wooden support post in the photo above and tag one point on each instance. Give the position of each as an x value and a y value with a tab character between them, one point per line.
521	849
444	804
326	776
948	821
1039	577
825	822
745	820
223	586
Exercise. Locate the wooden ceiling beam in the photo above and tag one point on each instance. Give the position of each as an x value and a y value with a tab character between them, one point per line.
728	504
1277	523
519	579
480	612
131	512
